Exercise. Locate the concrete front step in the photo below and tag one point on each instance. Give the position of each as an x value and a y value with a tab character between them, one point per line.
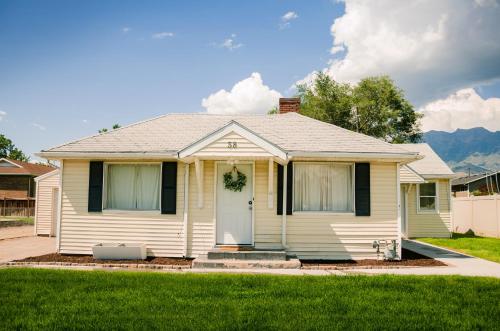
203	262
247	255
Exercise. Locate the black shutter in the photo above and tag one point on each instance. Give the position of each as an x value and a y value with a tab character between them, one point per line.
95	186
169	188
362	189
279	207
289	188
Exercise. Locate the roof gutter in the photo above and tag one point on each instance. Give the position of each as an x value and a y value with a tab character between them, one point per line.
106	155
400	157
441	176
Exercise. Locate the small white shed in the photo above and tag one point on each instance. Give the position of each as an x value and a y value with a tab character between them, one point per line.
47	202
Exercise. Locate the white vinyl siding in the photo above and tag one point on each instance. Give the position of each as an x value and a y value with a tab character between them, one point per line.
435	224
345	236
45	212
80	230
309	235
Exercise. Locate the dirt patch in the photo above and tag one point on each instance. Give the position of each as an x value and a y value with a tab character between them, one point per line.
83	259
409	259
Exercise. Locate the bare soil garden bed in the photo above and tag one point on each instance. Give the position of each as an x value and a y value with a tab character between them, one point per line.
409	259
85	259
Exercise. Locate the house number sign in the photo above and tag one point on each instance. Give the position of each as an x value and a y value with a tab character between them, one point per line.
232	144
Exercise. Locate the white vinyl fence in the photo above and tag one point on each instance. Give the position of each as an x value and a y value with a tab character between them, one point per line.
480	214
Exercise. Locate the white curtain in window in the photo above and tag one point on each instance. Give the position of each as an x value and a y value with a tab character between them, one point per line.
148	187
323	187
132	186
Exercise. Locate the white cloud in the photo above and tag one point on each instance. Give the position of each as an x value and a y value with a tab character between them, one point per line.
85	121
39	126
162	35
463	109
287	18
248	96
126	29
431	48
230	43
2	114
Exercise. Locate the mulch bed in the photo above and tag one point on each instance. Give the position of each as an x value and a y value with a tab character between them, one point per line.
84	259
409	259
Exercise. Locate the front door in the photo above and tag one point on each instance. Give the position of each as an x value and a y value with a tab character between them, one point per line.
234	209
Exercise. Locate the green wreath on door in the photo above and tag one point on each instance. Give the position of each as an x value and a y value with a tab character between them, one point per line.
234	180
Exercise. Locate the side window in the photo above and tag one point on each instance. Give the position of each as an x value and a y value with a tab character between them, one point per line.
427	197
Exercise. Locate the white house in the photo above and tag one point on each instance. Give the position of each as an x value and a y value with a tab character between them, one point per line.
183	184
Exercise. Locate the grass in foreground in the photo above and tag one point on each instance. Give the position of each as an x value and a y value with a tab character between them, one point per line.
63	299
483	247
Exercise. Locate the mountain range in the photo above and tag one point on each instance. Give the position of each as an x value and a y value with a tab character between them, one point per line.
473	150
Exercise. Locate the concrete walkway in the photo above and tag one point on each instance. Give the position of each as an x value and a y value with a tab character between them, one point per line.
18	242
458	264
16	231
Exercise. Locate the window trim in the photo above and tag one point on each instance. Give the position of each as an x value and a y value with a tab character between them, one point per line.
106	210
326	212
436	205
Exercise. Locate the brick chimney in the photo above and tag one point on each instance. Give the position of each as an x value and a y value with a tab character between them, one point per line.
289	105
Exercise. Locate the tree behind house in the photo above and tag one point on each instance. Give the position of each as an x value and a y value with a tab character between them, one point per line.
9	150
375	106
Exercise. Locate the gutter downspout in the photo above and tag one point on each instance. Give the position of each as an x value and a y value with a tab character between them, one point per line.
59	207
398	193
186	206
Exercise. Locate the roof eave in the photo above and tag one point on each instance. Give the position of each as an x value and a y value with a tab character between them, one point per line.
396	157
107	155
438	176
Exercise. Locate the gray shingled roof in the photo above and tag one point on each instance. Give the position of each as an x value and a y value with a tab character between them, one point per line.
291	132
431	164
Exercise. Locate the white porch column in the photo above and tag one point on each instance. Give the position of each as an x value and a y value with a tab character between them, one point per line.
270	185
283	217
199	181
186	208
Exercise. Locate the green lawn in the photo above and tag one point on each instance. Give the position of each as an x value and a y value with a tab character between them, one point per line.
483	247
62	299
25	220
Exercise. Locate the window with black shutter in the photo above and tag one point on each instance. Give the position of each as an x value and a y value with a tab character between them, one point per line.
95	186
362	189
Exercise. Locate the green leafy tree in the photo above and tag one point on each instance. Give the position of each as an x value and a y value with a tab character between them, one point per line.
376	107
114	127
275	110
382	111
327	100
9	150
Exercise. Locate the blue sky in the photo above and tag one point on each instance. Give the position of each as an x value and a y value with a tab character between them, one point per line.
68	68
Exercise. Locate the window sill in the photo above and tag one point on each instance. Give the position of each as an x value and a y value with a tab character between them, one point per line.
324	213
130	212
427	212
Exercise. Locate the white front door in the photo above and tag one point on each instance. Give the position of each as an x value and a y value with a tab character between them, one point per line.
234	209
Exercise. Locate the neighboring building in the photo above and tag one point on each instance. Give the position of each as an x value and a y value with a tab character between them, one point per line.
426	195
17	186
480	184
47	203
185	183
